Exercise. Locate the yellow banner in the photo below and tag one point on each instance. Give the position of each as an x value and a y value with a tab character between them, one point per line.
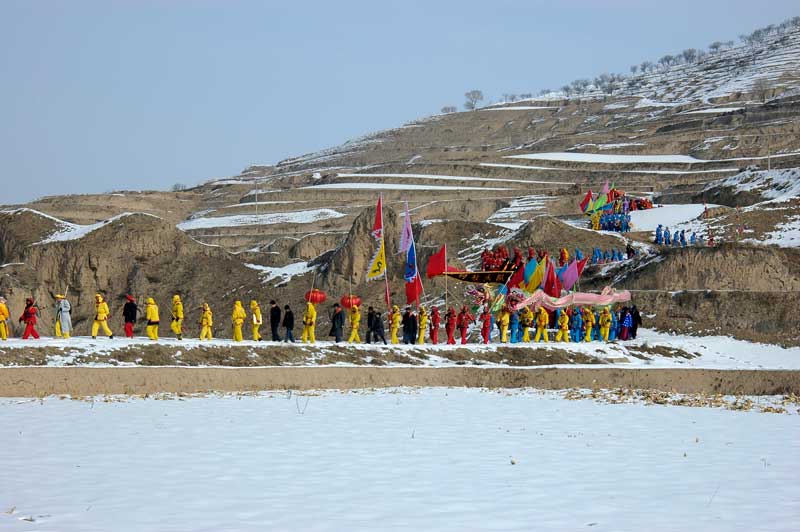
377	267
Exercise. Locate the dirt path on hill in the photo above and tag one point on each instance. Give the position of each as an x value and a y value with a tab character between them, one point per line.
83	381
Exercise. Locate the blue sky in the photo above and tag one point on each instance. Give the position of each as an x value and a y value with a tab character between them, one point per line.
121	94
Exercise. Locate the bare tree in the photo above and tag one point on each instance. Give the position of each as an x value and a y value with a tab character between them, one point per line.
634	68
177	187
729	44
526	96
665	61
544	91
689	55
567	90
762	89
646	66
473	97
715	46
449	109
795	21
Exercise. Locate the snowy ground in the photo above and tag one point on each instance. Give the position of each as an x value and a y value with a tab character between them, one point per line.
607	158
666	215
710	352
296	217
613	171
393	186
427	459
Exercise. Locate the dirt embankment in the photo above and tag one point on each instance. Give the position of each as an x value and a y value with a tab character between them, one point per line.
37	382
290	355
769	317
727	267
136	254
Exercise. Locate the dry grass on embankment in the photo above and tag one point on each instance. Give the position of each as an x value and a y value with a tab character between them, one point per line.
297	355
84	381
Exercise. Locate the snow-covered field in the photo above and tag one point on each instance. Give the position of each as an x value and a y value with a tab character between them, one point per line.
296	217
666	215
614	171
519	108
608	158
452	178
399	459
392	186
715	110
711	352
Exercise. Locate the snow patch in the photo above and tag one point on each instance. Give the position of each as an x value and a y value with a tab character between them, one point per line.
393	186
72	231
666	215
283	274
295	217
607	158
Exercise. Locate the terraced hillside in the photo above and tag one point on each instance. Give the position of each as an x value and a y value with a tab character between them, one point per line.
683	134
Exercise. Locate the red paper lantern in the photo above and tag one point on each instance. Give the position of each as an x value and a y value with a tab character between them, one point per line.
316	296
350	300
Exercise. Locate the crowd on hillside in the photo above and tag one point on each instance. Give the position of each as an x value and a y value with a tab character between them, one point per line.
678	238
499	259
412	326
611	211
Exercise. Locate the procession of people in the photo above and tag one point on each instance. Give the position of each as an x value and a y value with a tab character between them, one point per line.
411	326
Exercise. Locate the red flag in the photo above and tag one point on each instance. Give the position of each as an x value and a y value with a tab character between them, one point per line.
377	227
413	290
582	265
587	199
437	264
517	278
552	286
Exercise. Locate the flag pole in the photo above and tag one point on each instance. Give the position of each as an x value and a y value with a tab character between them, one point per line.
386	265
416	258
445	277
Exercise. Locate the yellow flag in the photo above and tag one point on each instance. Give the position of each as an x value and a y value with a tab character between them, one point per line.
377	267
536	278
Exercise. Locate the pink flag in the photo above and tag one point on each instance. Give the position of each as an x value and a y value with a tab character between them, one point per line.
407	236
605	188
570	276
